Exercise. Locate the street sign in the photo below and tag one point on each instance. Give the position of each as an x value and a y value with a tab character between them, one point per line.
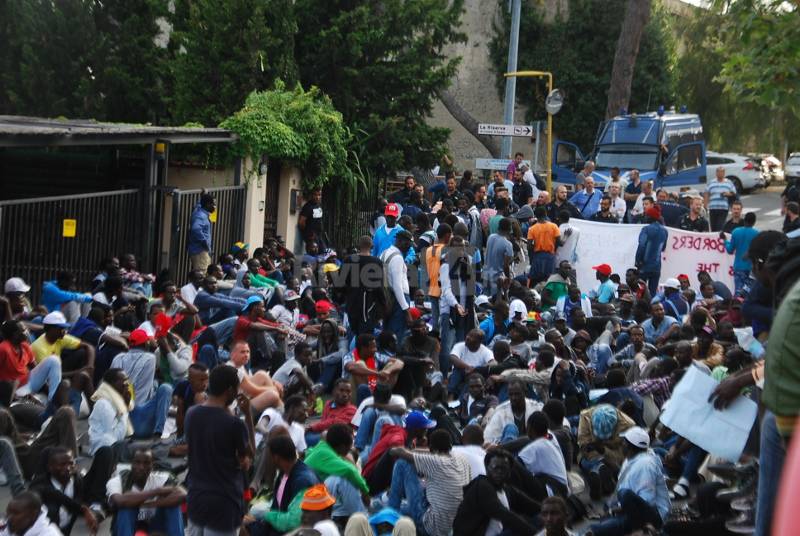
554	102
495	163
489	129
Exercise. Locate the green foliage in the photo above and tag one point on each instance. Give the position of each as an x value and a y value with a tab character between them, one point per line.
579	50
761	46
381	63
225	50
298	126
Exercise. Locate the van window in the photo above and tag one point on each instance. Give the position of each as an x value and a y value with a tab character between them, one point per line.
712	160
687	157
565	156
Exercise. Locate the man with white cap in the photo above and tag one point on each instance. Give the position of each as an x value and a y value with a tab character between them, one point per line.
15	305
641	488
674	303
76	356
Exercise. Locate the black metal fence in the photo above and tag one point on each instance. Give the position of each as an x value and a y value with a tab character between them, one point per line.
348	214
35	241
228	228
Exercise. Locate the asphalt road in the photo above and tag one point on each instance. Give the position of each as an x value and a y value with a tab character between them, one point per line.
767	206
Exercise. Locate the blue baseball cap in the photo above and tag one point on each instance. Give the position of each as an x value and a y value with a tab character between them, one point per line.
417	420
387	515
250	301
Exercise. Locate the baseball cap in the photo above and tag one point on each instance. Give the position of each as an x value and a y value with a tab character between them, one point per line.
391	210
16	284
560	316
138	337
482	301
671	283
683	277
387	515
317	498
517	306
329	267
57	319
250	301
291	295
415	313
604	420
417	420
637	436
323	306
654	212
604	269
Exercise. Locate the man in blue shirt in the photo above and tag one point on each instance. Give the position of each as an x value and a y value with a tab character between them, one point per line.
719	194
198	244
384	236
673	301
652	242
641	489
587	201
739	244
659	327
607	289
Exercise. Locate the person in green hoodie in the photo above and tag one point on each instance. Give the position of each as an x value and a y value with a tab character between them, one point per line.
330	460
256	279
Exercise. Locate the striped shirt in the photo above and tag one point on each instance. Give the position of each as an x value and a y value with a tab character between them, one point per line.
716	191
446	477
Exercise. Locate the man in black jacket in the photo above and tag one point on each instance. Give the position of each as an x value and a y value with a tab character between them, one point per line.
482	505
362	275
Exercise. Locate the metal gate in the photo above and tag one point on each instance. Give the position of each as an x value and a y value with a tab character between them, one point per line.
229	227
35	241
348	213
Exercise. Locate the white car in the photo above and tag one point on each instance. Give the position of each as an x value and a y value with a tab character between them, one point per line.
792	168
743	171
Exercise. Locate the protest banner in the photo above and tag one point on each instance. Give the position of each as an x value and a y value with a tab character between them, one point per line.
615	244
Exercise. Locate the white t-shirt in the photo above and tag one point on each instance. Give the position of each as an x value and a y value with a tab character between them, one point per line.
474	359
567	251
272	418
188	293
394	400
284	372
495	526
156	479
474	454
544	456
326	527
240	371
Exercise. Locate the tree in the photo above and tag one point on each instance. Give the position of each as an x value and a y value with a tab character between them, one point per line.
619	92
579	50
465	119
382	64
226	49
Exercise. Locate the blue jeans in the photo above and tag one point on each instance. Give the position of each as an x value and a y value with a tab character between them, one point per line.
362	393
434	310
448	338
167	520
407	485
741	282
651	278
48	372
510	433
312	438
542	266
692	462
397	321
348	497
148	419
455	384
635	514
208	356
771	458
11	467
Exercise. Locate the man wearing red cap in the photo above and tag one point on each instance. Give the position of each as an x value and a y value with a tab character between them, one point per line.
652	242
384	235
607	289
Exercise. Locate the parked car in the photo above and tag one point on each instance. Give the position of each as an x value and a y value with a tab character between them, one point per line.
744	172
792	168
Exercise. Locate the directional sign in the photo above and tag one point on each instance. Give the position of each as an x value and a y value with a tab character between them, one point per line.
495	163
488	129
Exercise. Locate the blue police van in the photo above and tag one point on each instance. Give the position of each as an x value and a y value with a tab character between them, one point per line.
666	147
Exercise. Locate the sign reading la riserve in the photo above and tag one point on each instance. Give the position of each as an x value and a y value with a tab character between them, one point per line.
500	164
489	129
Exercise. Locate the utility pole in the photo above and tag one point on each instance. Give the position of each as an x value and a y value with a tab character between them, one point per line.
511	82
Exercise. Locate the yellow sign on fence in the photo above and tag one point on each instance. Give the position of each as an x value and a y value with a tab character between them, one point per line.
213	216
70	226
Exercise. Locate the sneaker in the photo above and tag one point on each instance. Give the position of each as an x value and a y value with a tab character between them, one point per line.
743	524
733	471
743	504
747	487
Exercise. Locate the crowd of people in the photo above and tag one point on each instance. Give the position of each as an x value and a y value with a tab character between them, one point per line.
447	375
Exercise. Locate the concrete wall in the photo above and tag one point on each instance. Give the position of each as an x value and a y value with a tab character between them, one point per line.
287	222
254	208
192	178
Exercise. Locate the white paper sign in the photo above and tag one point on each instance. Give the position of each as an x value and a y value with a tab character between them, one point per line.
689	414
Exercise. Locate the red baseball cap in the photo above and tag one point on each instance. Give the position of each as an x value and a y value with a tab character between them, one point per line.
415	313
604	269
683	276
323	306
138	337
392	210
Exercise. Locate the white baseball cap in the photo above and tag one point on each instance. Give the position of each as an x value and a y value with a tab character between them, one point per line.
637	436
481	299
56	318
16	284
671	283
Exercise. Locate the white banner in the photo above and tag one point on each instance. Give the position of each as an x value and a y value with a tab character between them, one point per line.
686	253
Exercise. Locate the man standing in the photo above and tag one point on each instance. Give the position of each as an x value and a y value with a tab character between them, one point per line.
310	220
633	190
397	282
652	242
363	277
639	206
217	461
587	200
499	253
618	206
694	221
586	172
521	193
498	180
543	239
403	195
433	261
560	204
514	166
739	244
385	235
792	221
198	243
736	220
604	215
719	194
